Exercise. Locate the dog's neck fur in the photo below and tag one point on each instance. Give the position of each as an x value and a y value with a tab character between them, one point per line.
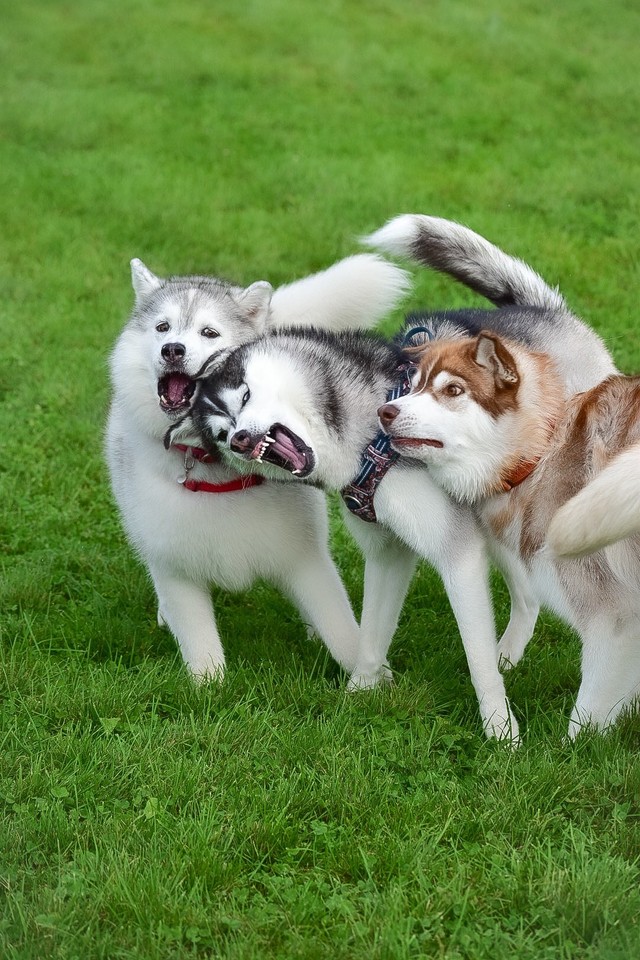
540	400
339	452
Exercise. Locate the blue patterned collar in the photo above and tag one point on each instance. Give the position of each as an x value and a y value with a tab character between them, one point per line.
378	455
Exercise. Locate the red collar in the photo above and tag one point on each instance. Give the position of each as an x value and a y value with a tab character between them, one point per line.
202	486
240	483
518	474
196	452
526	467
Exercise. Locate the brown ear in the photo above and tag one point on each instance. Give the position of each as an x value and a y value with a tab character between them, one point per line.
492	354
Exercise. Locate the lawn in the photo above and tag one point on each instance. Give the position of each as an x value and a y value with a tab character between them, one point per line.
276	816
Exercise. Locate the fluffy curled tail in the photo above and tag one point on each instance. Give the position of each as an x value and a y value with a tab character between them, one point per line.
453	249
605	511
353	293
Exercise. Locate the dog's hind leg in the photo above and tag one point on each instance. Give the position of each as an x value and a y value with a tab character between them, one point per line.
610	674
186	609
315	587
524	607
389	570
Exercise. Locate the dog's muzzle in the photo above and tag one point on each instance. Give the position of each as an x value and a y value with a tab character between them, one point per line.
278	446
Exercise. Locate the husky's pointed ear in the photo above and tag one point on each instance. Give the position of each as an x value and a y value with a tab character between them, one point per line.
255	301
144	282
492	354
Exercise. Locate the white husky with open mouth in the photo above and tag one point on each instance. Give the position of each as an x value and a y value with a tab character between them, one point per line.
192	518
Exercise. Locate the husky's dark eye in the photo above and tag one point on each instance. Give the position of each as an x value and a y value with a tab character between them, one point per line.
162	327
246	396
453	390
210	333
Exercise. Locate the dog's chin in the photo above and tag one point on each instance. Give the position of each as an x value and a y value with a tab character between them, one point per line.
418	447
281	447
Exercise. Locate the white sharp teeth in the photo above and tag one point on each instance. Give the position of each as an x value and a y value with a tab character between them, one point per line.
264	443
295	471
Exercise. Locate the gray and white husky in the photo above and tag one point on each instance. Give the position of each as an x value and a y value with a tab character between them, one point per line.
302	404
191	517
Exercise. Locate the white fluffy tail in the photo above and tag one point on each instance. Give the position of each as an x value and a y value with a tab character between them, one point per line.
453	249
605	511
352	293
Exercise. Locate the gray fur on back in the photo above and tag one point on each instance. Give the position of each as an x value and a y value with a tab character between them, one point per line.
342	369
529	310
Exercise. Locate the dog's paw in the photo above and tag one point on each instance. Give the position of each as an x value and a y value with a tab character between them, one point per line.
510	651
212	673
501	725
370	679
505	663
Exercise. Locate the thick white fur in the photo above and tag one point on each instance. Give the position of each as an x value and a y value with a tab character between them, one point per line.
355	292
188	540
605	511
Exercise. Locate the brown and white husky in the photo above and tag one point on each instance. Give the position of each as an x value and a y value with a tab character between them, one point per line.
556	483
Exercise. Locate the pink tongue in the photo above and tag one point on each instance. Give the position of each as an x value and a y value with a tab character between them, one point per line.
284	445
177	383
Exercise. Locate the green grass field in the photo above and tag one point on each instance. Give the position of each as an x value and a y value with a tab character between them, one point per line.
276	816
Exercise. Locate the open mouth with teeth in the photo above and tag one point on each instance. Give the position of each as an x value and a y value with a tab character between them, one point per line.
283	448
175	391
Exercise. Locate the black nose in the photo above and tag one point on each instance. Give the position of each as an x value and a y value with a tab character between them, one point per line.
387	413
241	442
173	351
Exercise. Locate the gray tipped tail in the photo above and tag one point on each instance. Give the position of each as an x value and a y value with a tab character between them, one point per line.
453	249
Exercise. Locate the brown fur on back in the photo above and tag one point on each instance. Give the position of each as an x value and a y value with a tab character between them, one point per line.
594	427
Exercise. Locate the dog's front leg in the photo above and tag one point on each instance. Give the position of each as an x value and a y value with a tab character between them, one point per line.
389	569
465	573
186	608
